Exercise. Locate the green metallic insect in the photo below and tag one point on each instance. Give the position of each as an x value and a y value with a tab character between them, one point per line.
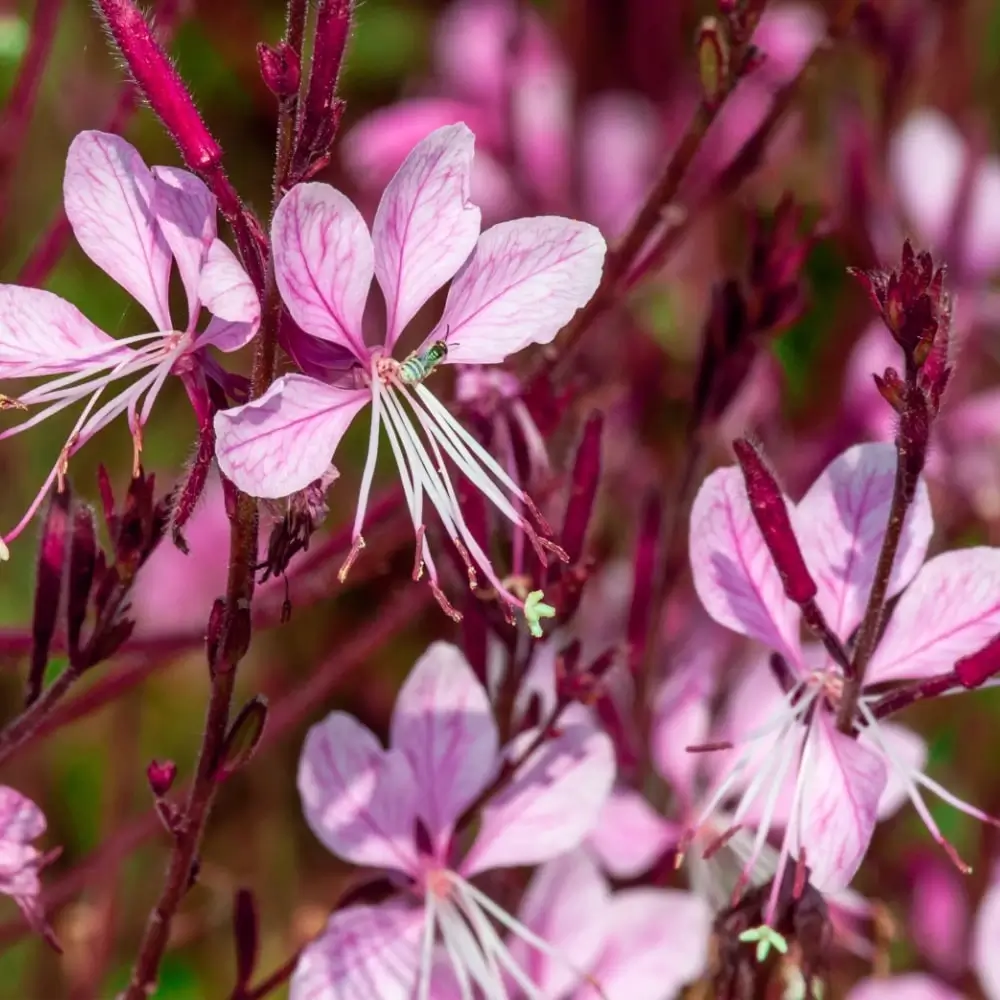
418	366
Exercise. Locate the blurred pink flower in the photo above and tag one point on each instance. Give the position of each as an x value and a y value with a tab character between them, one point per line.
516	284
938	915
398	810
792	764
21	821
522	110
135	223
928	158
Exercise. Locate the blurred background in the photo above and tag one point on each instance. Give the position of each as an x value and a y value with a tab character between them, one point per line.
891	136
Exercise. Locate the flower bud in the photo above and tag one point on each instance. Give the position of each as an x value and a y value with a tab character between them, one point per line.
891	387
48	586
82	569
279	68
583	488
161	774
246	937
977	668
712	47
768	506
243	737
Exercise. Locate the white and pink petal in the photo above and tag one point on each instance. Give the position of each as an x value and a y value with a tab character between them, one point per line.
358	799
843	784
364	952
550	805
443	723
734	574
425	227
108	194
841	522
227	292
284	441
950	610
522	284
323	263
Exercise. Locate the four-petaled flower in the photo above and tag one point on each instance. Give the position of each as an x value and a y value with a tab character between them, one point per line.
135	223
788	764
515	284
399	810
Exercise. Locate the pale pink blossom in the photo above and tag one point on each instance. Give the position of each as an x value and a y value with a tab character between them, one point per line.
984	953
21	822
788	762
516	284
636	944
398	809
135	223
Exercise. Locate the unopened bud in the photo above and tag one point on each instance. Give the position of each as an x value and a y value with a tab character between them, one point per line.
82	568
279	68
243	737
246	936
583	488
977	668
712	47
768	506
891	388
161	774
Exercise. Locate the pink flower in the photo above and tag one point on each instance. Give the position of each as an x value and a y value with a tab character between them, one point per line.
21	821
927	160
639	944
516	284
399	810
135	224
791	765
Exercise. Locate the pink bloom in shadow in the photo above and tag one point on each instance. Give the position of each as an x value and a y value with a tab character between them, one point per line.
21	822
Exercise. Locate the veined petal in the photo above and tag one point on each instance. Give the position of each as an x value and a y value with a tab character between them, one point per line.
365	952
283	441
444	725
425	227
630	834
20	819
522	284
358	799
951	609
985	935
843	784
323	262
841	522
906	747
734	574
913	986
185	210
108	194
658	942
565	904
42	334
227	292
551	803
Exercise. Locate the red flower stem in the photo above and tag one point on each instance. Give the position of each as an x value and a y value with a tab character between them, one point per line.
295	25
279	977
871	624
21	105
401	610
53	242
626	263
